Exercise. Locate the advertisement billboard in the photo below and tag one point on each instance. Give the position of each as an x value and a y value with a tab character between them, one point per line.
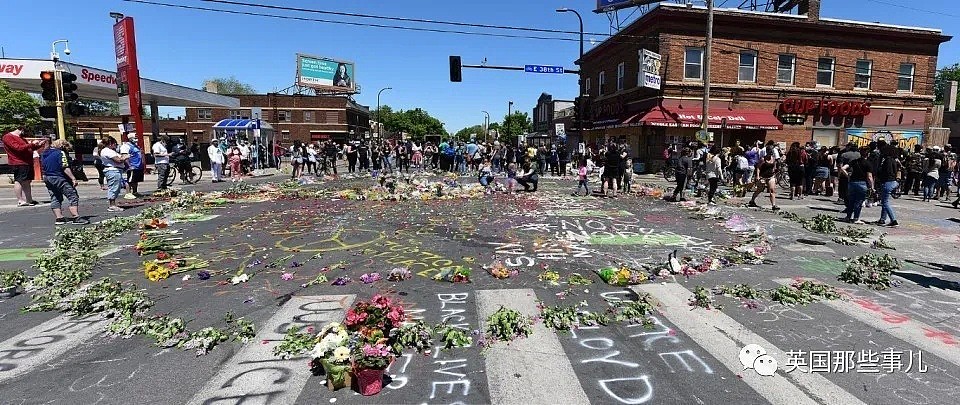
611	5
650	61
905	139
325	73
128	74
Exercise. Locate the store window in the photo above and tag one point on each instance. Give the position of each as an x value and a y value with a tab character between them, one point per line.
864	72
748	66
825	72
600	82
827	137
905	77
693	64
786	66
621	72
283	116
204	114
308	116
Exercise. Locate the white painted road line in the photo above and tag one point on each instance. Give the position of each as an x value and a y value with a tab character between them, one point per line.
723	338
927	338
254	375
45	342
532	370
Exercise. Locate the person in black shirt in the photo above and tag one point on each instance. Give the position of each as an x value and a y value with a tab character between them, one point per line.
860	179
331	151
683	170
363	154
612	169
887	175
766	180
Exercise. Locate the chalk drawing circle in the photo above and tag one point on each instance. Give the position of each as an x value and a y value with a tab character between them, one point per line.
343	239
765	365
749	354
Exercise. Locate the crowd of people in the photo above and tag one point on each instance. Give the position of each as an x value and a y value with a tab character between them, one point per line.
859	176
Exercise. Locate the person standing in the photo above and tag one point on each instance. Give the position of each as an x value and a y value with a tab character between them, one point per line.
563	158
278	151
849	154
351	152
713	168
236	160
98	164
765	173
859	175
113	165
331	151
683	170
931	168
887	175
244	149
20	159
363	155
796	169
914	165
61	183
161	162
216	160
134	165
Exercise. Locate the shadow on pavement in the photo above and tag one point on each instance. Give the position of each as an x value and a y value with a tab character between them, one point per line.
928	282
824	209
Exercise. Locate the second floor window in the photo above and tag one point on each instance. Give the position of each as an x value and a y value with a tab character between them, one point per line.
825	72
786	65
864	72
621	72
308	116
748	66
601	81
905	77
586	86
283	116
693	64
204	114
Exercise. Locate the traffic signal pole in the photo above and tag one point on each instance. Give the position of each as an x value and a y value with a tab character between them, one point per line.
61	127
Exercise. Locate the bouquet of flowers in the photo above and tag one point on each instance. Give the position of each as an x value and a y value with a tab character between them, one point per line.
500	271
374	319
153	243
332	351
165	266
456	274
399	274
372	356
622	276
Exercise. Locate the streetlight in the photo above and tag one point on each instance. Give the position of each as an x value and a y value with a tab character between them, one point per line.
380	124
486	126
506	122
53	49
705	120
116	16
579	120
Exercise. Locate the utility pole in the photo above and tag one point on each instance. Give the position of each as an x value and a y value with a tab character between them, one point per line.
58	78
486	126
506	122
706	70
579	114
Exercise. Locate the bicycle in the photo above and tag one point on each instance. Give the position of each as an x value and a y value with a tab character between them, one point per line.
669	173
193	176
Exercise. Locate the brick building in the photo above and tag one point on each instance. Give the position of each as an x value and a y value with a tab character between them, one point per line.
774	76
549	113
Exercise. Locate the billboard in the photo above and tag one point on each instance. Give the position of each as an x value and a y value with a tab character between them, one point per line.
650	62
325	73
610	5
906	139
127	79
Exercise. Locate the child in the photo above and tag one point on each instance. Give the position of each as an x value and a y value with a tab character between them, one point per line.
582	179
511	177
628	176
486	174
235	160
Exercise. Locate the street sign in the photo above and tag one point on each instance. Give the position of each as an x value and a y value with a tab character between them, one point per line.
543	69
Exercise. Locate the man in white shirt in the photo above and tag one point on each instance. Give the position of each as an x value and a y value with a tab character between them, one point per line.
770	148
161	161
244	157
216	160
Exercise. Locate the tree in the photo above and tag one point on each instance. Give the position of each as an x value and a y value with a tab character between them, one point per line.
941	85
468	132
230	85
99	108
416	122
515	124
17	108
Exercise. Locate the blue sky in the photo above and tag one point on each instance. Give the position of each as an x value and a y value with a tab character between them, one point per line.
188	46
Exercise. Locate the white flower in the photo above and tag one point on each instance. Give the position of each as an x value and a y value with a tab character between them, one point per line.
341	354
239	279
318	351
186	277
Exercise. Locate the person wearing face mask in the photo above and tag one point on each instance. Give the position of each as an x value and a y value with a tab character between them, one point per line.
135	165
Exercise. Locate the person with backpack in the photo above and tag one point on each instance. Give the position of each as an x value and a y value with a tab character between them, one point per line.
946	170
887	174
713	168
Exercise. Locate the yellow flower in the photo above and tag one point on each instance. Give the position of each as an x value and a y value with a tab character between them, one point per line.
153	276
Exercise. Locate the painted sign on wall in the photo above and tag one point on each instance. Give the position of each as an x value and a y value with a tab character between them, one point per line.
905	139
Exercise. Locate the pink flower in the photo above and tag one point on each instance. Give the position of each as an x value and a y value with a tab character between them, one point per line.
286	276
381	301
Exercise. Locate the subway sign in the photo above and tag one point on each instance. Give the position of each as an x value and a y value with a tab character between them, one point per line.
822	107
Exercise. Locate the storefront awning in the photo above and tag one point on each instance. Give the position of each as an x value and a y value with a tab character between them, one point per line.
719	118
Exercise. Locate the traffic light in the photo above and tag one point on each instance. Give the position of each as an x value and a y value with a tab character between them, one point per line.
48	111
455	69
48	82
76	109
69	87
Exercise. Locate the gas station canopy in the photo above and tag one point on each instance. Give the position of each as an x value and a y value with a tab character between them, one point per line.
98	84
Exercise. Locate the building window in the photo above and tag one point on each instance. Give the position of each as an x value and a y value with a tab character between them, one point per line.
786	66
283	116
693	64
826	137
285	134
864	71
586	87
308	116
905	77
825	72
332	117
621	71
748	66
204	114
600	82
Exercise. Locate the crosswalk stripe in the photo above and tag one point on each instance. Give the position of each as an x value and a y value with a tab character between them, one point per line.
254	375
44	342
927	338
531	370
723	337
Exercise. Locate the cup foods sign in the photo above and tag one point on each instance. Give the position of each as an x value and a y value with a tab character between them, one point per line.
822	107
650	61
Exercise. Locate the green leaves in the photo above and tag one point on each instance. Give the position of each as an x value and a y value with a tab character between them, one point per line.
17	108
295	343
13	278
701	299
506	324
451	337
870	270
416	336
803	293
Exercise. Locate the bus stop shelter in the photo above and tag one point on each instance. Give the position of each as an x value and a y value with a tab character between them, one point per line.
256	133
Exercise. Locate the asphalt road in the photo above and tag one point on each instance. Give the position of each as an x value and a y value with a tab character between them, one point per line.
690	355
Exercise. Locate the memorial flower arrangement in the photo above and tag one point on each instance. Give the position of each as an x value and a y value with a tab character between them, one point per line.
622	276
166	265
374	319
332	351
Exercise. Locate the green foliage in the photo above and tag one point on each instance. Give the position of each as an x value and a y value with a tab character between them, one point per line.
803	293
416	336
99	108
465	134
517	123
635	312
701	299
565	318
451	337
416	122
743	291
12	278
506	324
231	85
295	343
17	108
941	84
870	270
881	243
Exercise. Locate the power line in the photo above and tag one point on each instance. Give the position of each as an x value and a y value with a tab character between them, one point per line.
914	8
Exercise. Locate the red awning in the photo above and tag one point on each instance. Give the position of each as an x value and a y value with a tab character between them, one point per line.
735	119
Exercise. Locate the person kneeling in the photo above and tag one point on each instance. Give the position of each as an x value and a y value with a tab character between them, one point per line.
529	176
